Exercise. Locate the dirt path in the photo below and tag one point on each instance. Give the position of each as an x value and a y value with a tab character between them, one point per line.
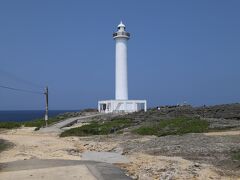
223	133
30	144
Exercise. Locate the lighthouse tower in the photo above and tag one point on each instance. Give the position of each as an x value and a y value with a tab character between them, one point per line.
121	80
121	102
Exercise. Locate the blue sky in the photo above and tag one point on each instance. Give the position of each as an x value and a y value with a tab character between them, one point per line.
179	51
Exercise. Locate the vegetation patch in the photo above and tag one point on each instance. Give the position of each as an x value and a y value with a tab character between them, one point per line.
99	128
236	155
9	125
41	122
38	123
4	145
176	126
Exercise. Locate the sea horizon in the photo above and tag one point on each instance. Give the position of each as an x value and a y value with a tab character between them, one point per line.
28	115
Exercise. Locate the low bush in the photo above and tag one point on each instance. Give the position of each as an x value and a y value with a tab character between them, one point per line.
38	123
176	126
236	155
5	145
10	125
98	128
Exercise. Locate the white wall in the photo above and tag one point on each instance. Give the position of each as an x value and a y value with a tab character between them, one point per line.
121	77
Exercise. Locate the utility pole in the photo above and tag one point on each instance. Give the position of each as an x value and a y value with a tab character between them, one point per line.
46	112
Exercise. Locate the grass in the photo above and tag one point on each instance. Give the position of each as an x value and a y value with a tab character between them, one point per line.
99	128
176	126
38	123
4	145
236	155
41	122
9	125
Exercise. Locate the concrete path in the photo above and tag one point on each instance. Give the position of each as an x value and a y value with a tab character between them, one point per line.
59	170
57	127
107	157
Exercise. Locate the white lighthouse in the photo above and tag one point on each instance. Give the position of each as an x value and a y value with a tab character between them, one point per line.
121	102
121	80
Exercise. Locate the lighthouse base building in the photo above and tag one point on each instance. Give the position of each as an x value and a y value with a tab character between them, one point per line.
121	104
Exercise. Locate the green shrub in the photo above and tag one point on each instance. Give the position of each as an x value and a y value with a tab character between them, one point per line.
38	123
10	125
98	128
176	126
35	123
5	145
236	155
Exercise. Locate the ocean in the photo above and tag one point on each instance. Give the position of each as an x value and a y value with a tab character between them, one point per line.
28	115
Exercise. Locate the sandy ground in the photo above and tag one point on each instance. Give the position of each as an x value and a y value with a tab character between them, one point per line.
30	144
224	133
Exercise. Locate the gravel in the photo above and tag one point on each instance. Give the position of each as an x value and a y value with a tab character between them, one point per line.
216	150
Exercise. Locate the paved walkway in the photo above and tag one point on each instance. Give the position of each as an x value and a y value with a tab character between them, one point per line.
57	127
34	169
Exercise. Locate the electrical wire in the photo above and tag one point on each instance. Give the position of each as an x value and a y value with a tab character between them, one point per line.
22	90
16	78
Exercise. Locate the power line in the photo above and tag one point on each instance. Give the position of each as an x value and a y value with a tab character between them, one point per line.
22	90
16	78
